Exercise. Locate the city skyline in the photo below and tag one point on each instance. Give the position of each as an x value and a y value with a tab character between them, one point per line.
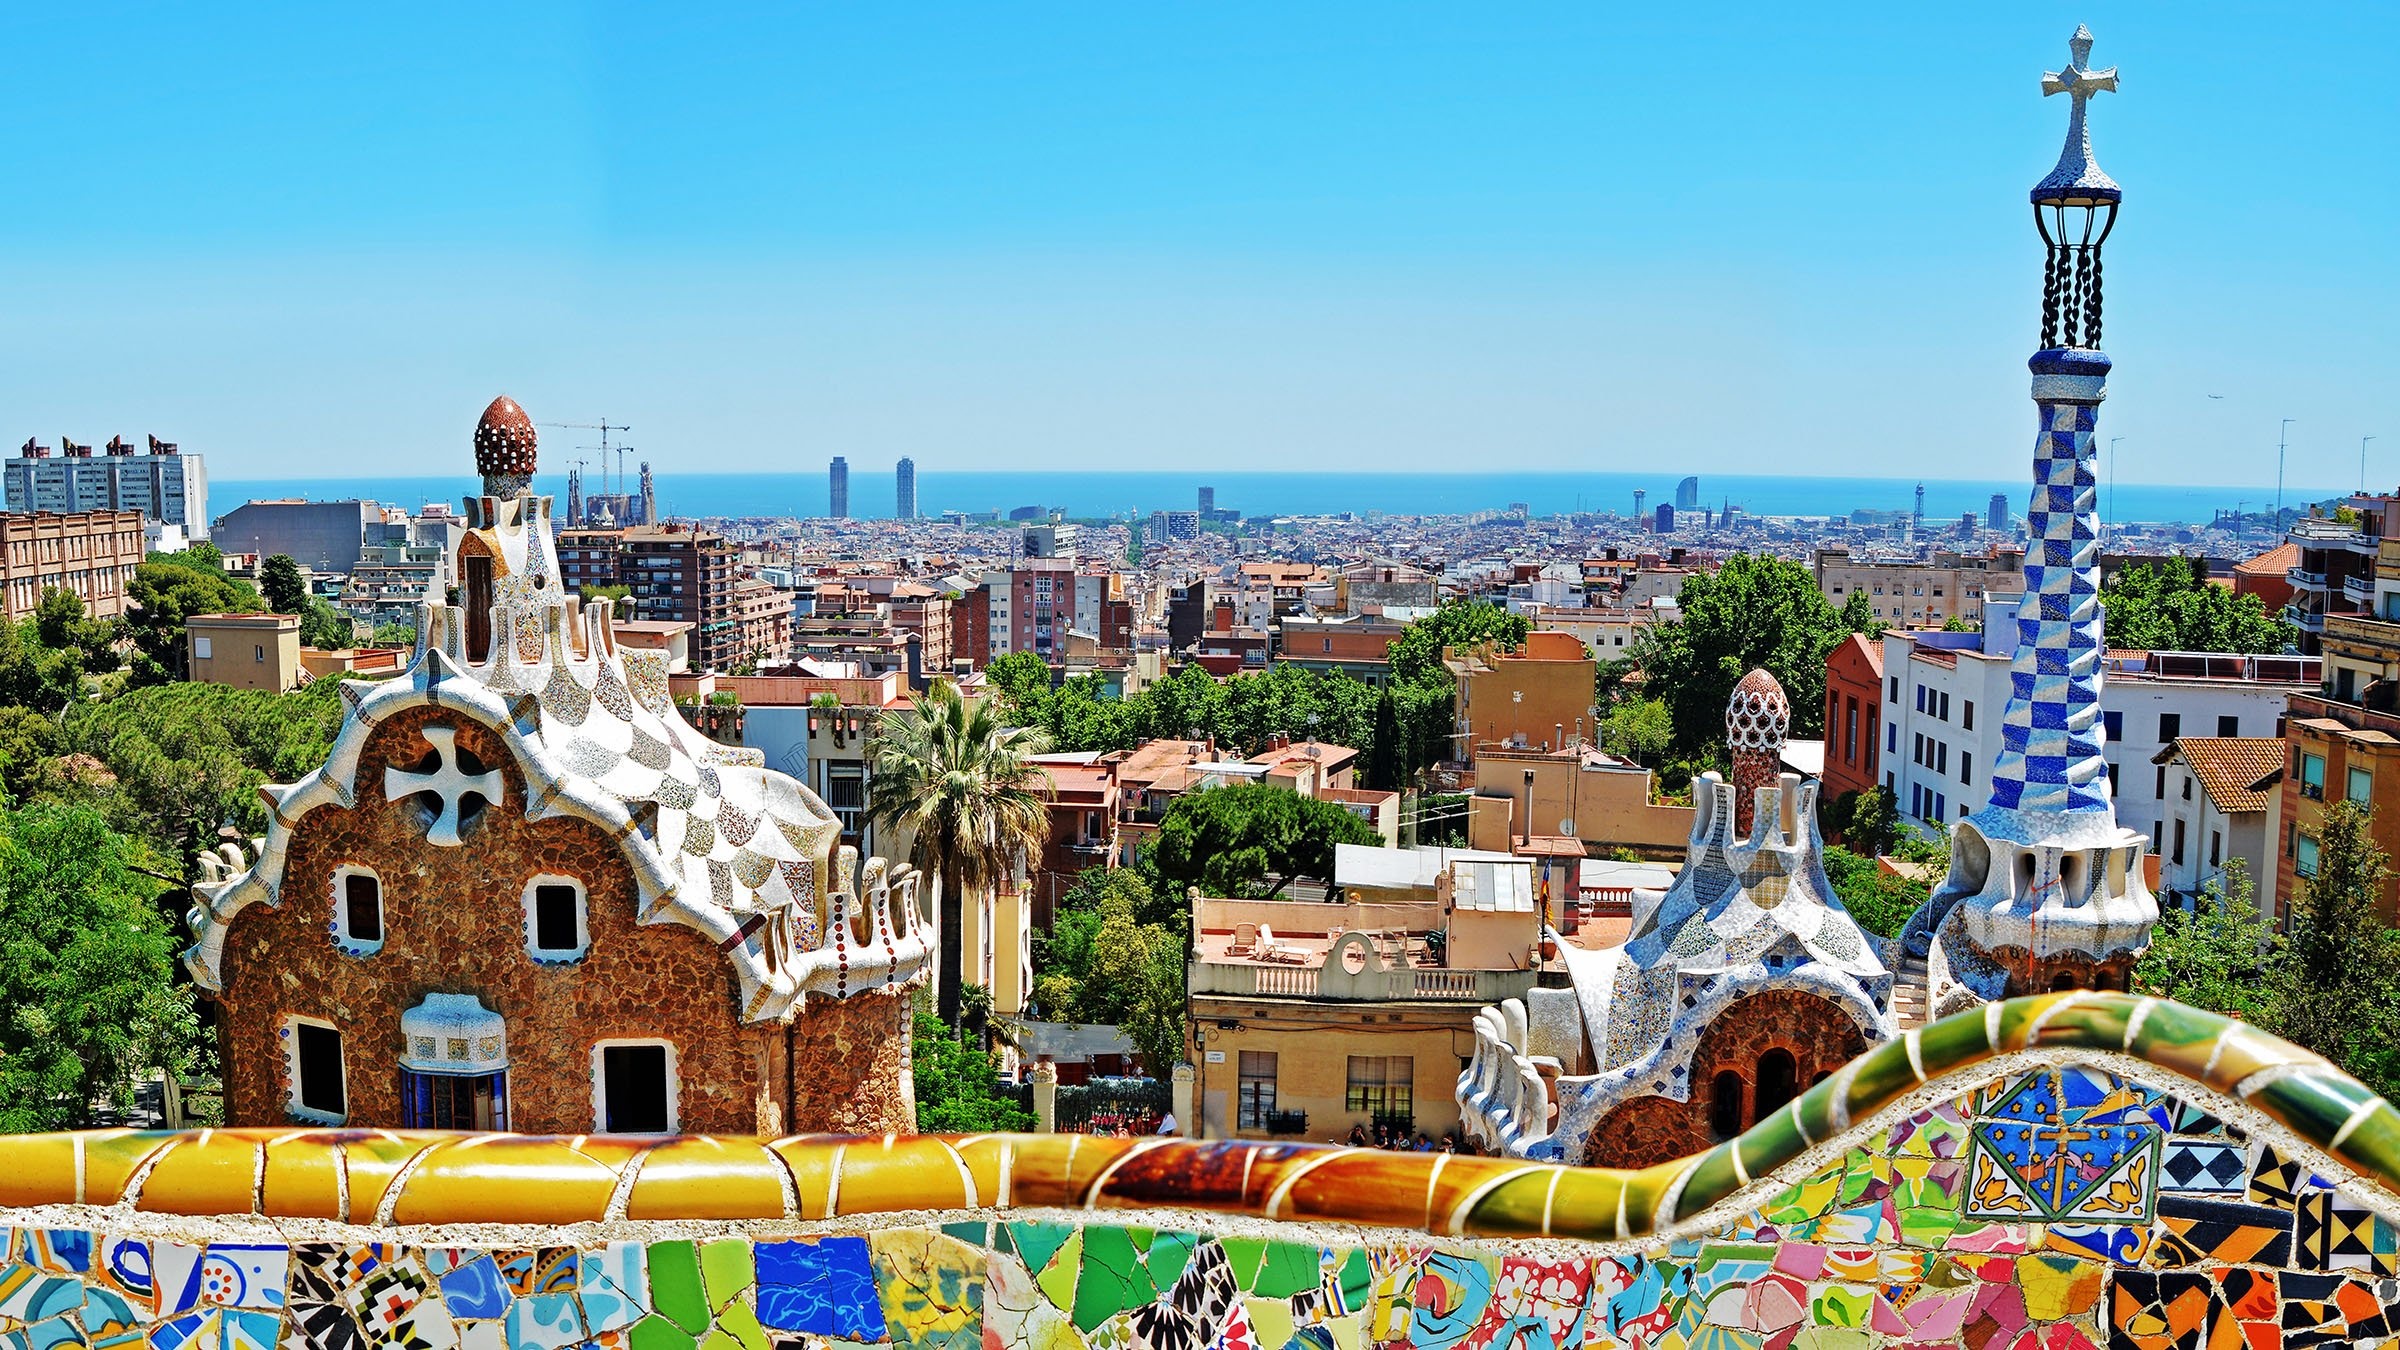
1180	241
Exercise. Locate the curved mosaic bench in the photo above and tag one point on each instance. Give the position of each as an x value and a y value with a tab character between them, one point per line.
2032	1175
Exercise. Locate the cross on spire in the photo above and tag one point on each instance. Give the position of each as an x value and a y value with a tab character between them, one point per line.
2078	177
2079	79
447	782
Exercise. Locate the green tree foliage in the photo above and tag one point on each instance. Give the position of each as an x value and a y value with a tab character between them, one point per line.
2220	954
1858	616
1637	729
1881	901
166	593
188	758
1869	821
958	1083
280	582
2172	606
395	635
28	741
1111	959
87	998
2330	983
286	592
620	594
1416	654
1229	840
43	675
958	782
1754	611
2341	959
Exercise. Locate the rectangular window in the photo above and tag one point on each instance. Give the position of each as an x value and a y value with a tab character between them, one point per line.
2304	859
2112	780
635	1091
2216	847
2176	857
362	907
1381	1085
317	1069
442	1101
1256	1094
2312	776
1944	714
1942	756
556	925
2114	723
1941	807
1966	716
2362	786
846	793
1895	696
2229	725
2187	787
1966	769
1891	738
2158	788
2170	726
1920	698
1850	733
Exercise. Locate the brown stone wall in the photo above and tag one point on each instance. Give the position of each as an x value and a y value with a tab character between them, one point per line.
850	1065
2030	974
1819	1034
454	923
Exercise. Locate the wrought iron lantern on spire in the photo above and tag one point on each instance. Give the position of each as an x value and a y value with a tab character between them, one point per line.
2075	207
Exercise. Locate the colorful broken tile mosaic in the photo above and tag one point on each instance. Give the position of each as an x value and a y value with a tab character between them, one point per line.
2070	1199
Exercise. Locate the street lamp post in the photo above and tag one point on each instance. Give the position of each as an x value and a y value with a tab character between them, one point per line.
2279	449
2362	462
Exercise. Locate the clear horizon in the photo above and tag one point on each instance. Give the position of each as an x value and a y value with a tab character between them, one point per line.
1372	239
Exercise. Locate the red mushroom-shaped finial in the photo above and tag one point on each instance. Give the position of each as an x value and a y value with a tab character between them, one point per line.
504	441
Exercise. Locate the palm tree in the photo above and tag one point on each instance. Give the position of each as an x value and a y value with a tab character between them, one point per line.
959	782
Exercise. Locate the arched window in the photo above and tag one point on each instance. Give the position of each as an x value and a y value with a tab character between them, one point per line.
1778	1082
475	566
1725	1105
2062	981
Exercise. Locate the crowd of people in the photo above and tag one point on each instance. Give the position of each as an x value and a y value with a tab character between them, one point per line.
1399	1140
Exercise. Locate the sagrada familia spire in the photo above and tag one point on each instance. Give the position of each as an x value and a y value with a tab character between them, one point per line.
2045	888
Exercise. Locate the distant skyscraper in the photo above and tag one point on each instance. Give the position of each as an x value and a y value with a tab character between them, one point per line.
838	489
1666	519
904	482
1687	494
1917	517
649	497
1638	495
1995	517
1208	500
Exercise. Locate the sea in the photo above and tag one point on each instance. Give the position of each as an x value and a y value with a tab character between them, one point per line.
1103	495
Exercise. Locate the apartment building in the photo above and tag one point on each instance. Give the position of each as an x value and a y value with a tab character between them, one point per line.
1538	695
166	485
2342	738
243	651
1310	1018
2215	810
682	573
1944	692
1914	594
91	553
2335	573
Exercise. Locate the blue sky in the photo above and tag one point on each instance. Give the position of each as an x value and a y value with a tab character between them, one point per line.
1387	236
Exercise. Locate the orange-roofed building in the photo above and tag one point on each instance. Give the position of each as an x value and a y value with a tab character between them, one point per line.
2268	576
1537	696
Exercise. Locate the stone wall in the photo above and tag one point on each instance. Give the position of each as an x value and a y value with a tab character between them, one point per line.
2055	1173
454	921
850	1071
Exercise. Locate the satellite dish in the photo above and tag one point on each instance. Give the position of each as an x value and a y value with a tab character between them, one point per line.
1567	827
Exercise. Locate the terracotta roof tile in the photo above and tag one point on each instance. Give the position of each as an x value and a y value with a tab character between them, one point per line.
2230	767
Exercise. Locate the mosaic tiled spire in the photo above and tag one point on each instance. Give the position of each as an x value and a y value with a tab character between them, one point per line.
2051	734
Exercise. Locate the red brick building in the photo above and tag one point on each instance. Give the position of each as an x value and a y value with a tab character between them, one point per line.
1853	697
523	893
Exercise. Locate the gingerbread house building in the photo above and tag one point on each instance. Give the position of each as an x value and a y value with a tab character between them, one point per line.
522	893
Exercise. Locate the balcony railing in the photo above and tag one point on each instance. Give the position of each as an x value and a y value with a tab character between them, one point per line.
1385	986
2304	579
2359	589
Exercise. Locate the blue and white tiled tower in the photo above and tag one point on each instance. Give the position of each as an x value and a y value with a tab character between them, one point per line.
2045	887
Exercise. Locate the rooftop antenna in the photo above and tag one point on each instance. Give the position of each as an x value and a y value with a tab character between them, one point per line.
603	426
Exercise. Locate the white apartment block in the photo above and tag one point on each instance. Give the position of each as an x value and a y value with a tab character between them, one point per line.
165	485
1944	694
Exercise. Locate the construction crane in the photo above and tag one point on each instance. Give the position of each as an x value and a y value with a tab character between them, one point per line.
603	426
